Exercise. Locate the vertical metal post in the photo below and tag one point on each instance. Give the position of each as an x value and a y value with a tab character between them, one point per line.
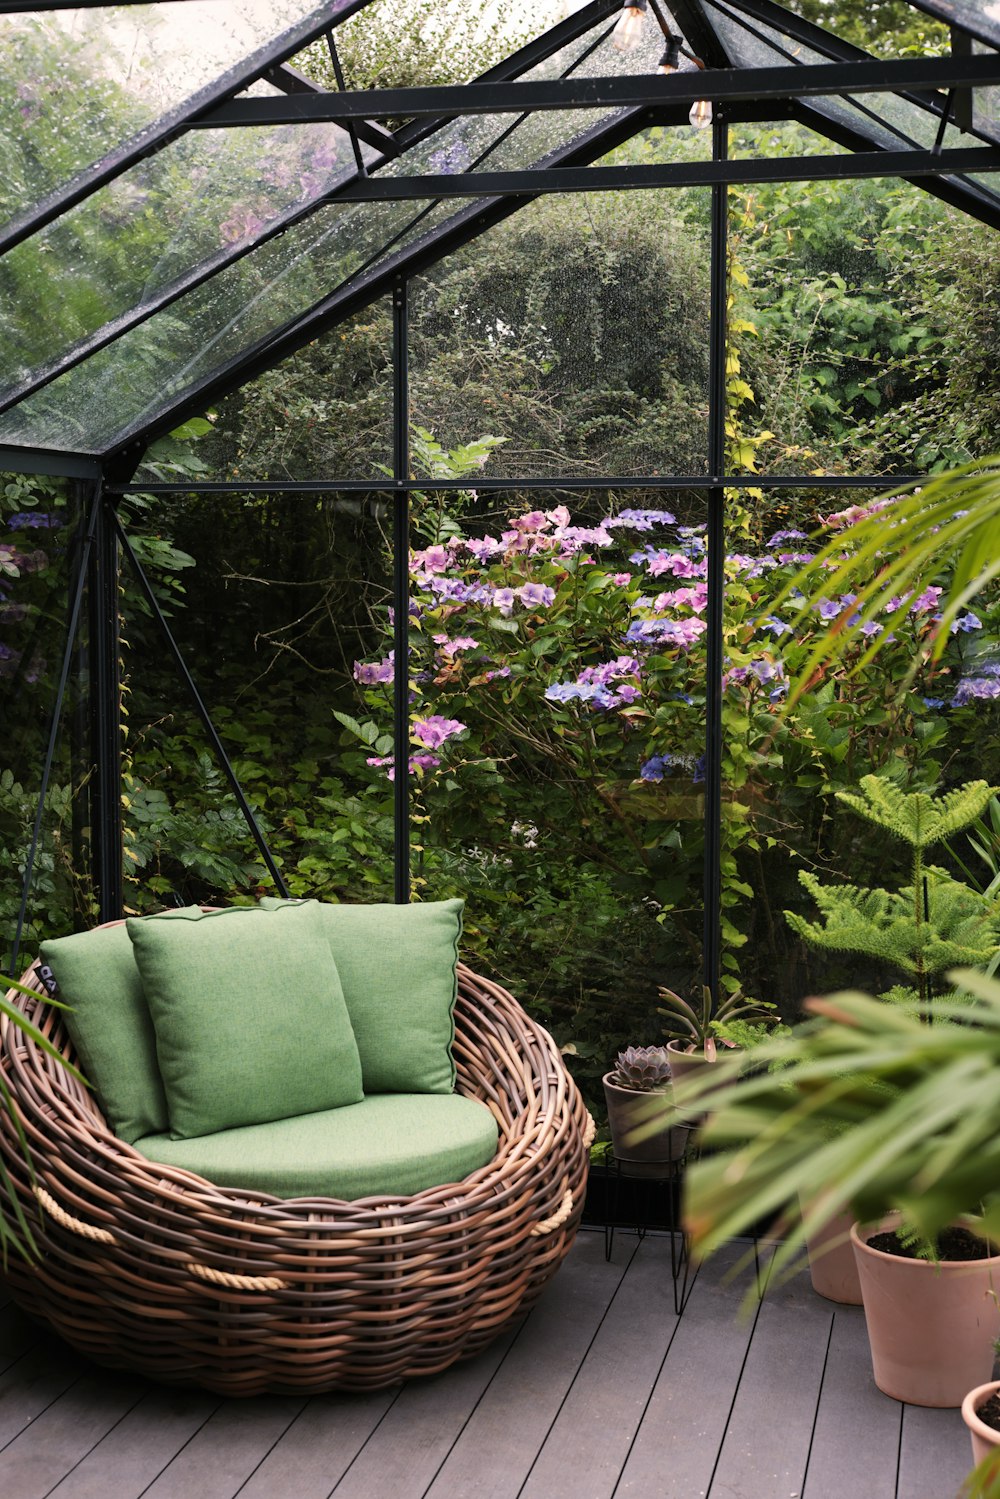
401	593
716	538
105	715
82	825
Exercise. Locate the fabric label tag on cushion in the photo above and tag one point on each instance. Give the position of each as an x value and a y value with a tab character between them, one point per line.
397	965
249	1015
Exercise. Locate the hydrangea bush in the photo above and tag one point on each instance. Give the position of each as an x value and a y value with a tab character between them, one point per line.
558	681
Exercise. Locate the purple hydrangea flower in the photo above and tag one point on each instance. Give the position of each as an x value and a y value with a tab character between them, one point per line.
966	622
640	520
653	768
434	730
370	672
535	595
780	536
976	687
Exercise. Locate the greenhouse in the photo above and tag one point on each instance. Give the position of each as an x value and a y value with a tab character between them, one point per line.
517	481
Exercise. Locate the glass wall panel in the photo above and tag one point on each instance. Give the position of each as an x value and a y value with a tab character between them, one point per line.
866	345
572	338
179	348
80	83
799	842
325	413
38	525
280	597
184	211
558	679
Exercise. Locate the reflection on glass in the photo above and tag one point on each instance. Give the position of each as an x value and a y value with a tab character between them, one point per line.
181	212
37	526
80	83
291	590
148	368
324	413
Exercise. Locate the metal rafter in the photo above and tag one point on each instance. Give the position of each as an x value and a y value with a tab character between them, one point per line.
529	182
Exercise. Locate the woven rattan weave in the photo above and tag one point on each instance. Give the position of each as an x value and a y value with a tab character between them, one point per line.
145	1267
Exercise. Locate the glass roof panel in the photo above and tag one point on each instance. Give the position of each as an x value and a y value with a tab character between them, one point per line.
128	382
187	209
203	331
889	120
79	84
979	17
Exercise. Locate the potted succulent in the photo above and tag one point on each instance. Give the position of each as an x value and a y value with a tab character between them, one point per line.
865	1107
698	1032
641	1074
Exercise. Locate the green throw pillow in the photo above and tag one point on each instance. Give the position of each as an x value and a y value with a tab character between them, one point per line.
397	966
249	1015
110	1027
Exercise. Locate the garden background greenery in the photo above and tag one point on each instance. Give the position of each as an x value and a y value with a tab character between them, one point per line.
557	642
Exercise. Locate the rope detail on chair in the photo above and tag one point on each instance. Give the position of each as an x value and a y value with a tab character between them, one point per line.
589	1132
236	1282
563	1211
75	1225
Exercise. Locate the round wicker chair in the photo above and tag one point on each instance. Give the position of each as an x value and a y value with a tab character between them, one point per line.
145	1267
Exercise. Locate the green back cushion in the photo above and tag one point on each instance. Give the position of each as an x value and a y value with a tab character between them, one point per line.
249	1016
110	1027
393	1144
397	966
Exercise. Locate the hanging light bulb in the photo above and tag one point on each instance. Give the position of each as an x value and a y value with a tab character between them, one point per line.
701	114
671	59
628	29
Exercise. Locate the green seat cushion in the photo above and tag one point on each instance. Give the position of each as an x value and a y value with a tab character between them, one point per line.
391	1144
110	1026
249	1016
397	966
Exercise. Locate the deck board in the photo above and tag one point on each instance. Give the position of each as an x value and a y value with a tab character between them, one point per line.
590	1438
935	1454
601	1393
675	1450
131	1455
765	1449
37	1460
494	1454
856	1438
404	1454
17	1334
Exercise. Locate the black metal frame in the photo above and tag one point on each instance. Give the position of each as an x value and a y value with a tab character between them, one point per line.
737	94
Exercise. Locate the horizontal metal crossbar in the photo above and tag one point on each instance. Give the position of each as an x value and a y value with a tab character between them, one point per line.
383	493
718	84
673	174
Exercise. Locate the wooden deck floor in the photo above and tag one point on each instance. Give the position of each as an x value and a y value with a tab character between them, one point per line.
601	1392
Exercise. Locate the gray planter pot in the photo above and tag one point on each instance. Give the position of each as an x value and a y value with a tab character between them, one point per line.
626	1107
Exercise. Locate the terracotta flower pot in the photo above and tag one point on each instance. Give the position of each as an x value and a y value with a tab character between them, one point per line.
687	1065
931	1327
984	1438
832	1267
628	1108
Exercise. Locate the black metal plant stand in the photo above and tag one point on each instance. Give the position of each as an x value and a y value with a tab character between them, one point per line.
665	1176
